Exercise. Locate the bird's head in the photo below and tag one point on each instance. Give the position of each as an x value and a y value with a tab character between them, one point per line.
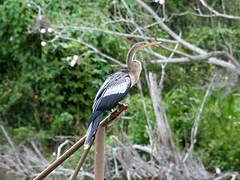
136	47
135	66
144	44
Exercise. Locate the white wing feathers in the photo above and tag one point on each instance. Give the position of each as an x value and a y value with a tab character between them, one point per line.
118	88
118	83
107	81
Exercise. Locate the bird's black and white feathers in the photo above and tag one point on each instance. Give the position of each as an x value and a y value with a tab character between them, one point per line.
113	90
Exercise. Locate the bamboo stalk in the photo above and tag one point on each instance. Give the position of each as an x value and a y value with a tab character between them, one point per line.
60	160
80	163
79	143
99	162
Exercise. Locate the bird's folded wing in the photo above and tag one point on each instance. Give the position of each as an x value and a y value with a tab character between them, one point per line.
111	79
113	92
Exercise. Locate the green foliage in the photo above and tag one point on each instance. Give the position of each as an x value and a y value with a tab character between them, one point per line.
219	128
62	124
37	82
23	133
137	124
220	131
181	111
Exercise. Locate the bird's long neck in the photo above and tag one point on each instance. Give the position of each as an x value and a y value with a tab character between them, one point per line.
134	78
130	55
135	69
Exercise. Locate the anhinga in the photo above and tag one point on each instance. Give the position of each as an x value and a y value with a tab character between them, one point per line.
114	89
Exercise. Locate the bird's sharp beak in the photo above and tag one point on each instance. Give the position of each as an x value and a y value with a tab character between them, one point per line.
151	44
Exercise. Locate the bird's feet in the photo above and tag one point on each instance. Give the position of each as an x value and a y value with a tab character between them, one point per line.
122	105
119	105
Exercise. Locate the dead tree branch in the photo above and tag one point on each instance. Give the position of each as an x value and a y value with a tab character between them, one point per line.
209	57
168	30
80	163
163	129
16	153
115	33
216	13
92	48
233	65
197	121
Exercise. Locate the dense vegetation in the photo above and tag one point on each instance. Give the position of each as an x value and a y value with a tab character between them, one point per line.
42	96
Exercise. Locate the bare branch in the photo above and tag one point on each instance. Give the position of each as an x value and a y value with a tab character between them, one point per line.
210	58
216	12
114	33
174	51
163	131
145	27
38	152
59	149
197	120
93	48
118	21
199	14
168	30
16	153
80	163
233	66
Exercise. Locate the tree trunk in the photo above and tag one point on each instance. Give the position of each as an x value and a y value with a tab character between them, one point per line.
163	129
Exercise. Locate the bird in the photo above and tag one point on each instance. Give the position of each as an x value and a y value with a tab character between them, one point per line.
114	89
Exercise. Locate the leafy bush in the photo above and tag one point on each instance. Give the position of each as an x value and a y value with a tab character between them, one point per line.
36	83
220	132
24	133
62	124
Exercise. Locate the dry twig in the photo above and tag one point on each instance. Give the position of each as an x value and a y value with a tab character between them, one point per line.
197	120
216	13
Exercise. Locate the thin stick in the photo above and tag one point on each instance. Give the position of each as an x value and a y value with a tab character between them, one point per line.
60	160
197	120
99	163
218	13
79	143
99	147
80	163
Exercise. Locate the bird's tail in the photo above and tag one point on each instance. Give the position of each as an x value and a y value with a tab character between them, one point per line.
95	119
